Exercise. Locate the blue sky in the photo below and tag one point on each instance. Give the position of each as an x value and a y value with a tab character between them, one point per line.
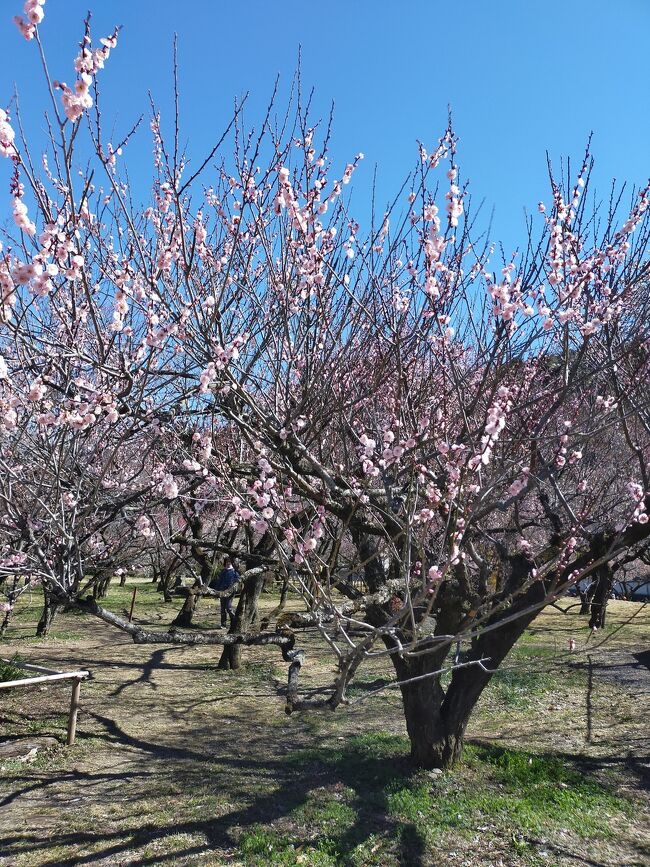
522	77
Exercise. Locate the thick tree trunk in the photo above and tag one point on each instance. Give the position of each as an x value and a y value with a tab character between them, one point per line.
436	720
184	617
432	745
600	598
51	608
244	621
433	749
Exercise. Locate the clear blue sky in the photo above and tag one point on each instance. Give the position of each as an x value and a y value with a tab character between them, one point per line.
521	76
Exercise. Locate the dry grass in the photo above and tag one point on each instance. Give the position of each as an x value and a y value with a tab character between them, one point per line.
177	763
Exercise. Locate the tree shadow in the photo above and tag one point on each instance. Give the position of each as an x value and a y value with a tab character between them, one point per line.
81	779
267	789
353	767
155	661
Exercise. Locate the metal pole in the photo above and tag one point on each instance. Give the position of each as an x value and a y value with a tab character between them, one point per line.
74	709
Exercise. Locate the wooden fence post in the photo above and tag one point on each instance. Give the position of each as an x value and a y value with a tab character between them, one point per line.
135	590
74	709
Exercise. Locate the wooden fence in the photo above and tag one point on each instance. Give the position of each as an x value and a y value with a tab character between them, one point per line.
48	675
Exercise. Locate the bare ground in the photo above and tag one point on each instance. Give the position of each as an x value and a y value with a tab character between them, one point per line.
176	762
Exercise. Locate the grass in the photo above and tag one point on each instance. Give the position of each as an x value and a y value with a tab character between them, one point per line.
177	763
11	672
376	811
518	688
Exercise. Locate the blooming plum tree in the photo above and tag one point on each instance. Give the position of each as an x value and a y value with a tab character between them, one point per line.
469	431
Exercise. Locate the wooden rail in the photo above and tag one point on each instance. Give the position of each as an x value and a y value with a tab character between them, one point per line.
49	677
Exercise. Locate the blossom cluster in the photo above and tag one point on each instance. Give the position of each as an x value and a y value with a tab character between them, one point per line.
496	422
34	14
20	217
312	240
223	356
638	495
394	449
7	135
88	62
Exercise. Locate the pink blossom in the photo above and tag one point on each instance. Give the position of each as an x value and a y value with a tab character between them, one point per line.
7	136
636	491
10	419
143	526
168	487
75	103
516	487
34	11
20	217
36	390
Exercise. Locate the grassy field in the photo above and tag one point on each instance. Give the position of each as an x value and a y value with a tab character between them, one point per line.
178	763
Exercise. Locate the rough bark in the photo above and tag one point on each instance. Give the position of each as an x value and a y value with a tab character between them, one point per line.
436	719
51	607
184	617
600	597
245	619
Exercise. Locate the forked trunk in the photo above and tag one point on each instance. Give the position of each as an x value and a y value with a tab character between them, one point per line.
436	719
432	744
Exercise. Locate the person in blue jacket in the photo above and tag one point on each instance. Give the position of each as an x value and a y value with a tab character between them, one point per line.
228	578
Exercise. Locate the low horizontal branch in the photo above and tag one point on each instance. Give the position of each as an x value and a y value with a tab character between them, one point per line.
175	636
284	640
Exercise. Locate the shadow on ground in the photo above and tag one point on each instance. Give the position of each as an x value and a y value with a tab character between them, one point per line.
366	770
291	780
